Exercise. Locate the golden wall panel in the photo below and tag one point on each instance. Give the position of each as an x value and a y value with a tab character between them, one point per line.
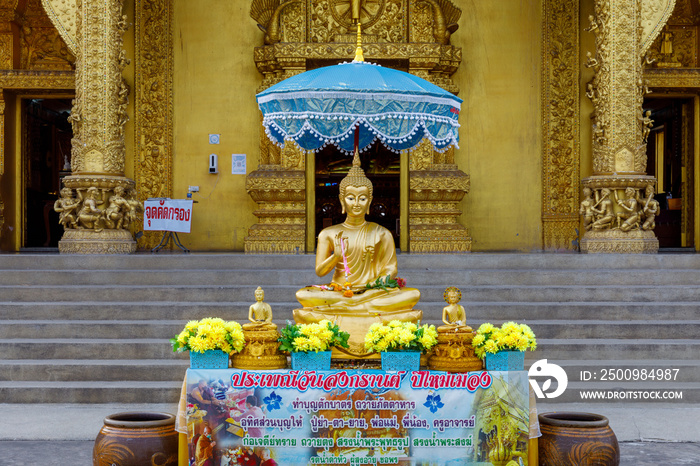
153	103
560	124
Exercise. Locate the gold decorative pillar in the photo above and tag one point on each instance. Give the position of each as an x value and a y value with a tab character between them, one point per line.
153	94
436	187
98	203
617	202
560	124
279	188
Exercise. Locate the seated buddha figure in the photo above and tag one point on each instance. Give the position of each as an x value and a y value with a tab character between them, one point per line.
358	252
260	313
453	314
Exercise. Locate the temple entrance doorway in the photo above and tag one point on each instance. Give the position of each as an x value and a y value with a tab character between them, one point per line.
673	158
45	148
381	166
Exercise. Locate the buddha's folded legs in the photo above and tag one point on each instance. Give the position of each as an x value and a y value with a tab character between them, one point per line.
368	301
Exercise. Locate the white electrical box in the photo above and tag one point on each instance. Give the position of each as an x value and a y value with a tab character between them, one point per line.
213	163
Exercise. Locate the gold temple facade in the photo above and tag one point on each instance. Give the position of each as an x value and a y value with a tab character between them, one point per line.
580	127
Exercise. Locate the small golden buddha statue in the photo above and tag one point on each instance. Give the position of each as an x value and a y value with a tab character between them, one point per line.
454	352
260	314
261	349
453	314
358	252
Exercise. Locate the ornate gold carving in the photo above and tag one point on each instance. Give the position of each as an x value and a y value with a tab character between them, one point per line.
98	145
267	14
154	103
560	123
63	14
654	15
434	197
281	196
106	203
676	79
619	214
6	51
675	47
445	17
611	207
619	242
97	242
454	353
261	351
42	45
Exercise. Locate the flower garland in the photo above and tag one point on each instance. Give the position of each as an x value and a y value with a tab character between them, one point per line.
510	337
316	337
210	333
400	336
386	282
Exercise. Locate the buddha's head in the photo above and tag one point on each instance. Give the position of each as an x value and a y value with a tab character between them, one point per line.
356	190
259	294
452	295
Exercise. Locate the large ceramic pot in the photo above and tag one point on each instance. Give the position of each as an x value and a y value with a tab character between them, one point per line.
136	438
577	439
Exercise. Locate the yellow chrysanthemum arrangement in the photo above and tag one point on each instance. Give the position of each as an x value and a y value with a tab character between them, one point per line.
510	337
210	333
400	336
320	336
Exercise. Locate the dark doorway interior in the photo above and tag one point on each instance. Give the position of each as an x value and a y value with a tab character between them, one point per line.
381	166
670	153
46	146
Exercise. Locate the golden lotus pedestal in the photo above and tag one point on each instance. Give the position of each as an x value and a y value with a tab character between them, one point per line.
454	352
261	351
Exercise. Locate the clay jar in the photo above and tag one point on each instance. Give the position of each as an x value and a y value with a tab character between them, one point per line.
577	439
136	438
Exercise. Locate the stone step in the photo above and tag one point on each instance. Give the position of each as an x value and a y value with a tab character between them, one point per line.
93	369
305	262
108	329
90	392
116	329
596	348
217	293
252	277
477	311
71	348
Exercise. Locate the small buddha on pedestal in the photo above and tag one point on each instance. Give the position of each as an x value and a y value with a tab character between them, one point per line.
261	349
260	314
454	352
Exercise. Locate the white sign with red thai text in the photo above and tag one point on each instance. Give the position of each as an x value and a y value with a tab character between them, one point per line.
167	215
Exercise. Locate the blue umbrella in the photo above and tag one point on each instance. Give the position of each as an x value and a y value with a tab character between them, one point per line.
353	104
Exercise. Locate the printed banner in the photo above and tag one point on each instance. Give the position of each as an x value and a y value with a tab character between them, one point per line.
167	215
266	418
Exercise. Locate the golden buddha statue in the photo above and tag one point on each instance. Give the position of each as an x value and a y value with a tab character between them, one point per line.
454	351
260	313
261	349
359	252
453	314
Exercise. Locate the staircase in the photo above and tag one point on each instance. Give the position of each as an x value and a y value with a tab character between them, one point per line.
95	329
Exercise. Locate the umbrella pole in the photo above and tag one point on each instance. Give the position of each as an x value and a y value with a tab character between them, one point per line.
357	139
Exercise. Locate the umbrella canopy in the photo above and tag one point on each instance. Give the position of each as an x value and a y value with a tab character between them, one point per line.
325	106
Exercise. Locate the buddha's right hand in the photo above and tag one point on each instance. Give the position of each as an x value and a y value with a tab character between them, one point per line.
338	246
